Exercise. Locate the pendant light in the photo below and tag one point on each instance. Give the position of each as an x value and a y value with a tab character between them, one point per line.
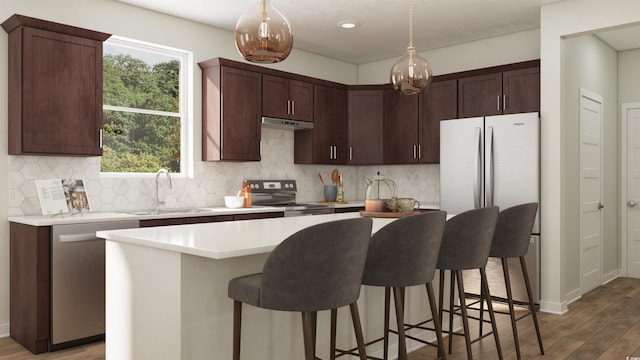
411	73
263	35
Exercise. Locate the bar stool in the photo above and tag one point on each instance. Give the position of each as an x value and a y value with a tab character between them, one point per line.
465	245
402	253
511	240
317	268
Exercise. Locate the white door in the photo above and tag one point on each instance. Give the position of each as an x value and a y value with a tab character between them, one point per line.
631	186
590	190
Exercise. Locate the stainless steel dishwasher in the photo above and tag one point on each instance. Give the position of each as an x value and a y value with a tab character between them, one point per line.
77	282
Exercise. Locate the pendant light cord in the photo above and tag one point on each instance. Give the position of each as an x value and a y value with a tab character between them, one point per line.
410	23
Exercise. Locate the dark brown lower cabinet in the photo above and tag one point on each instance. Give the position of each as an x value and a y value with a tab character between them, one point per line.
29	285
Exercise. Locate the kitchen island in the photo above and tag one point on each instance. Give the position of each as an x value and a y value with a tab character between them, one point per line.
166	293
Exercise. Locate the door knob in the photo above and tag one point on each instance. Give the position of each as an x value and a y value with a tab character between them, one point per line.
600	206
631	203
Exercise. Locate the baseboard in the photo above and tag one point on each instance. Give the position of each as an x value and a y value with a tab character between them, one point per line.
4	330
553	307
607	278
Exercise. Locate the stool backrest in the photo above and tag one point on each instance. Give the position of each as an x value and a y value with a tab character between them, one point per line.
467	239
513	231
317	268
404	252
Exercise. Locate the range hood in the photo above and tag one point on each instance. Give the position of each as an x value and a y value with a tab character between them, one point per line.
286	123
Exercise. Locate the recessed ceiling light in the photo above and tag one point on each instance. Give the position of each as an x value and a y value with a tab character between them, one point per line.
348	24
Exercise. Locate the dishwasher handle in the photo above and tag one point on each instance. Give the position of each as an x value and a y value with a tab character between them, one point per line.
78	237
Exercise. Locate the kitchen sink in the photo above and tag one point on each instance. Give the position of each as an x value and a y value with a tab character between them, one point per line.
170	211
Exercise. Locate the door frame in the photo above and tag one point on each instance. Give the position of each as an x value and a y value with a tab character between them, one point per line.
584	93
623	184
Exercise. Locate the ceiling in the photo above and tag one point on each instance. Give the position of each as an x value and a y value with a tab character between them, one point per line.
383	32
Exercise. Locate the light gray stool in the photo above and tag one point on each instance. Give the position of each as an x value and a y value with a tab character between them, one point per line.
465	245
403	253
317	268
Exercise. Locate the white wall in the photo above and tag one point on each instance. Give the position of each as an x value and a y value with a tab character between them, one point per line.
629	73
507	49
592	65
558	20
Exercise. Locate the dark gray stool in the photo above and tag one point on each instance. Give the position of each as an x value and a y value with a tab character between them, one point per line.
465	245
511	240
403	253
317	268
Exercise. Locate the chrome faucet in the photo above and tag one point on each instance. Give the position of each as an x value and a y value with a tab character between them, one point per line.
156	202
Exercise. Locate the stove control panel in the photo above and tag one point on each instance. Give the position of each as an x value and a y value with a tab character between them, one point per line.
272	186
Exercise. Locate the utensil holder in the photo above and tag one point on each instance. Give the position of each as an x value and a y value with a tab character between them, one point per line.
330	192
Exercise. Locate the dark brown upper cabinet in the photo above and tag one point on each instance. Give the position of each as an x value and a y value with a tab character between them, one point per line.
521	90
55	88
505	92
439	102
231	111
287	99
330	125
400	130
366	113
412	123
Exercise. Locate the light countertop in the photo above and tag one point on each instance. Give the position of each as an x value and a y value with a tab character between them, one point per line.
88	217
223	240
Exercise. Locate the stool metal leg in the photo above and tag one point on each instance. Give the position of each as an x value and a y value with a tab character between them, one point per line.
494	326
307	333
399	305
463	308
452	287
437	324
237	322
527	283
357	327
512	312
332	345
387	306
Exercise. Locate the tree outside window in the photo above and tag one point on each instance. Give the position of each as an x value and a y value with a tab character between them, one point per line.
144	117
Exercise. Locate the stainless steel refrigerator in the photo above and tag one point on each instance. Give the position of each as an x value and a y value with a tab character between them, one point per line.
493	160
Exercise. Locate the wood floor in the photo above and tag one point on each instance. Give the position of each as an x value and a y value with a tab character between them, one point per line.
604	324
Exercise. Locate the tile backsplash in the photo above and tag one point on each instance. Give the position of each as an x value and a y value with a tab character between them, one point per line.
212	180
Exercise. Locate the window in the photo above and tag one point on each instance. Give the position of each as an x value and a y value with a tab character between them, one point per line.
146	103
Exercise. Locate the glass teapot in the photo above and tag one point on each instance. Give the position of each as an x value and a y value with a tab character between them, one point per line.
380	193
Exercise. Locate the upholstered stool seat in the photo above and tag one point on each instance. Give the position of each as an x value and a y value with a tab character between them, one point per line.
317	268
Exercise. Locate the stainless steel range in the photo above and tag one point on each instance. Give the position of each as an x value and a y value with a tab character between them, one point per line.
283	193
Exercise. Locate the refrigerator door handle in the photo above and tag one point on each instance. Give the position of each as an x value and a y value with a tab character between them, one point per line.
489	167
476	169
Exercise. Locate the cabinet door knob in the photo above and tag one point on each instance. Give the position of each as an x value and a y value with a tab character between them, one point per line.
631	203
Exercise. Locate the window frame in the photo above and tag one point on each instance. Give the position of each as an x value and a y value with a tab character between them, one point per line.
185	105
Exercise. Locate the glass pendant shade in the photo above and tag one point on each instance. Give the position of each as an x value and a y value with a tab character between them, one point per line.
263	35
411	73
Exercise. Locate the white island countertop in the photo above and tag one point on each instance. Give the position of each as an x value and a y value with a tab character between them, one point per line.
222	240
